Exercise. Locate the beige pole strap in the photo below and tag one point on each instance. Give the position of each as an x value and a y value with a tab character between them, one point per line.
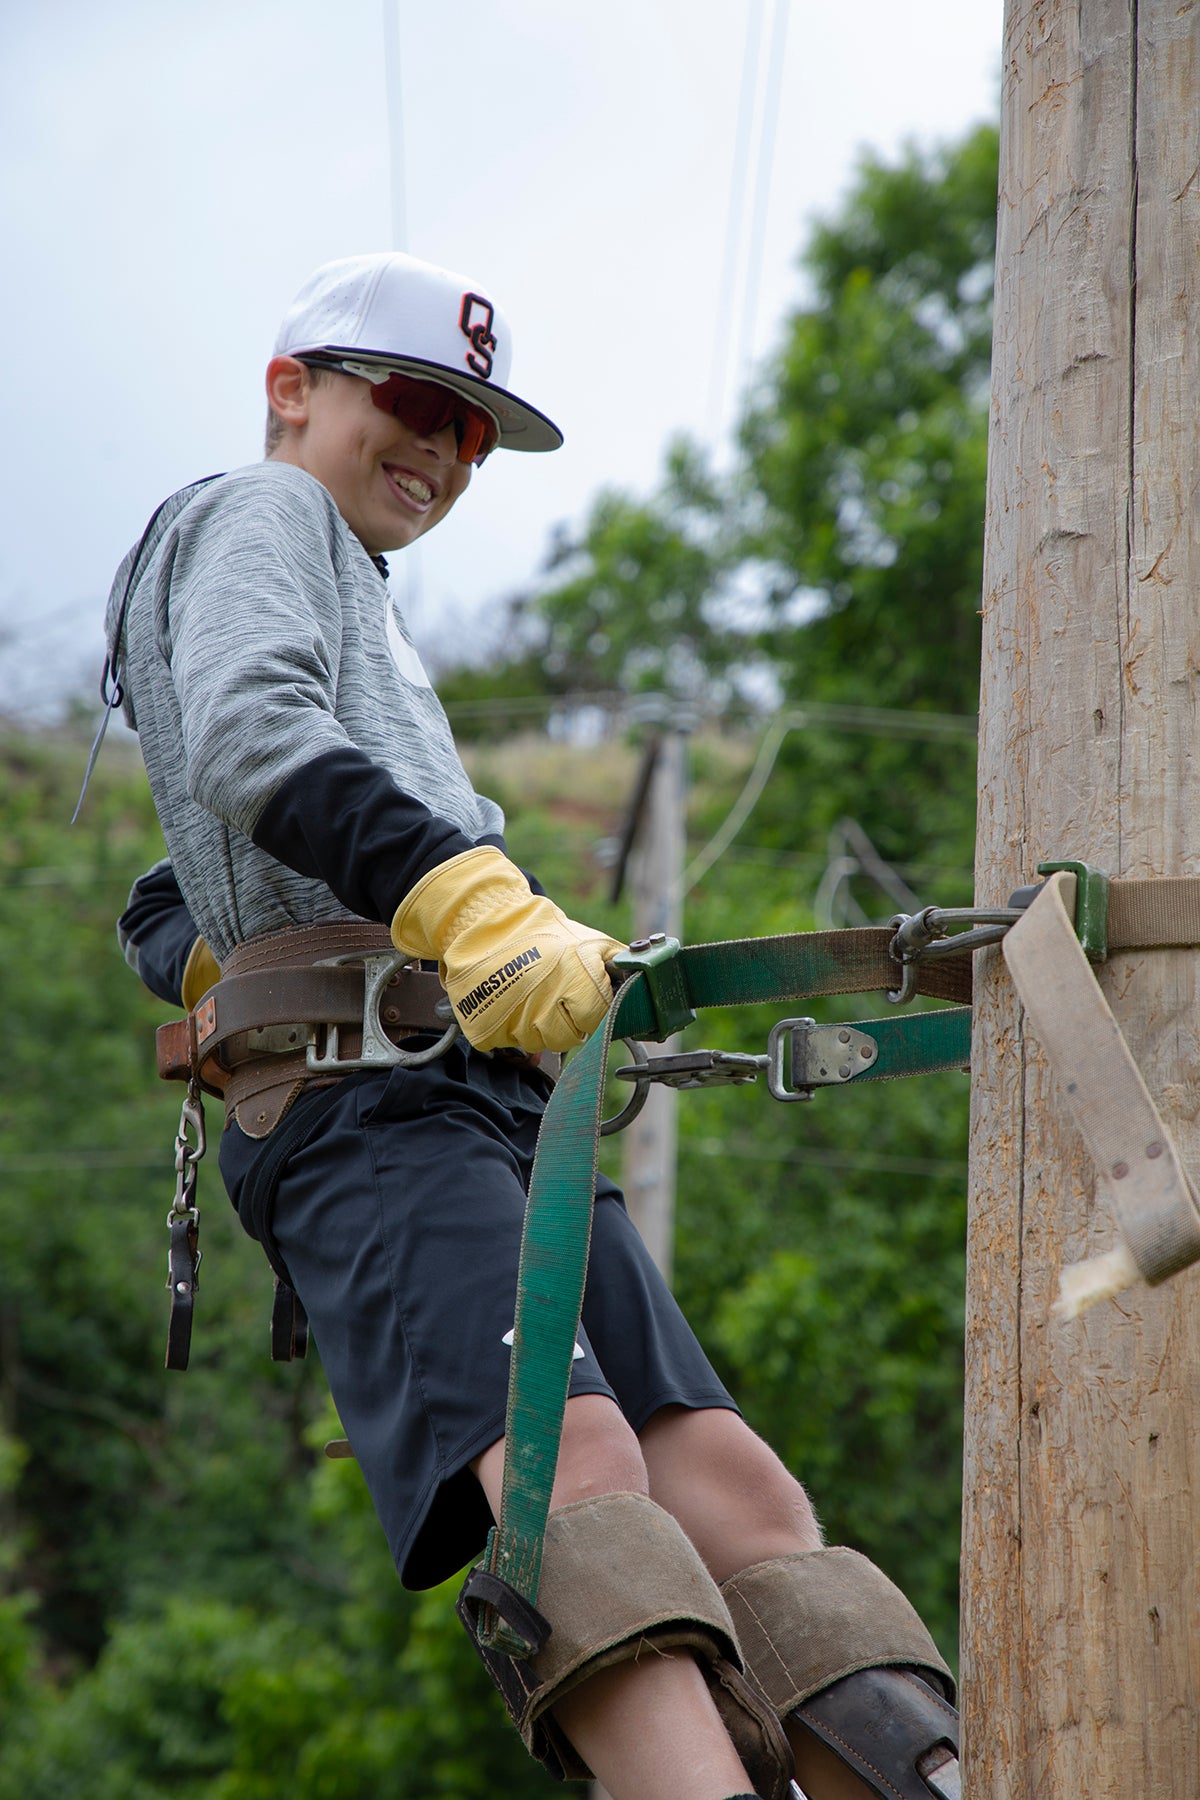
1110	1103
1160	913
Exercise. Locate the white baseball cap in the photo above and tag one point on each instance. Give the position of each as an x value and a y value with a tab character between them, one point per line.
395	312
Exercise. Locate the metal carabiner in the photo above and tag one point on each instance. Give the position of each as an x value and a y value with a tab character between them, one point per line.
189	1151
931	932
183	1228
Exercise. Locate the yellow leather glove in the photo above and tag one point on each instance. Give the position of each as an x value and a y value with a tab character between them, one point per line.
517	970
200	972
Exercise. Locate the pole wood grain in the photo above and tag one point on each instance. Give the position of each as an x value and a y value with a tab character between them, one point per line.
1081	1601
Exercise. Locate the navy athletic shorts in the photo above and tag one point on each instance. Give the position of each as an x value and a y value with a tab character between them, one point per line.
398	1213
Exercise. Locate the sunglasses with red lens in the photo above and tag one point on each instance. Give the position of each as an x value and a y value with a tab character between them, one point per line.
427	407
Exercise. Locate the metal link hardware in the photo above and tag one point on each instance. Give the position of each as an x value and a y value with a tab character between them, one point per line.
801	1056
656	958
927	934
945	1781
183	1225
378	1050
819	1055
690	1069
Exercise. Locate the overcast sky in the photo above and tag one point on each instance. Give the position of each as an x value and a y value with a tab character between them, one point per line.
633	181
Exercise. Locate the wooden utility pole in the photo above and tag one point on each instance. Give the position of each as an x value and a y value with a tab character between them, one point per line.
1081	1603
656	871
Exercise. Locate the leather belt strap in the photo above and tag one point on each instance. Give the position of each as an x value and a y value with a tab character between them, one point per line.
1124	1132
271	995
285	998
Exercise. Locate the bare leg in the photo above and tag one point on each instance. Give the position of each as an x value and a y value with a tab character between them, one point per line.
739	1506
648	1729
728	1489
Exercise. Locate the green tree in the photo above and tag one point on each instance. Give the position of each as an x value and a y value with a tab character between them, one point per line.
866	441
866	455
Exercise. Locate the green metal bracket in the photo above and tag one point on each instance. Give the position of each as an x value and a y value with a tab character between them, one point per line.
1091	905
657	957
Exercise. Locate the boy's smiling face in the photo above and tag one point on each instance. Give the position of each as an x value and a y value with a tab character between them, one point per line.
391	484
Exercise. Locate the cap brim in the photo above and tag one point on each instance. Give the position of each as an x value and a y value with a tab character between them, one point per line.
522	427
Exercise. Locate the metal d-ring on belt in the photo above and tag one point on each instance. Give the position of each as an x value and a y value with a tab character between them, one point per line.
316	1001
274	999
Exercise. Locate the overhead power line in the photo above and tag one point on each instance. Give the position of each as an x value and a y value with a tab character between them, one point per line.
410	570
762	190
740	1150
395	113
749	205
741	809
731	262
874	720
38	1161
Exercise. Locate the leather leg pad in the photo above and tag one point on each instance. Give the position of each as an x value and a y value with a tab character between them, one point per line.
620	1579
840	1652
804	1621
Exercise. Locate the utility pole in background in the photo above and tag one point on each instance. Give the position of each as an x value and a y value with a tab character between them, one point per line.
1081	1590
652	852
653	849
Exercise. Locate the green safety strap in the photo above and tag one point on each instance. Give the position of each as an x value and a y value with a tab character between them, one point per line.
925	1043
799	966
652	1003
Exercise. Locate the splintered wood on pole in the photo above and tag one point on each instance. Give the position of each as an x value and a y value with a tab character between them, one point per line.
1081	1601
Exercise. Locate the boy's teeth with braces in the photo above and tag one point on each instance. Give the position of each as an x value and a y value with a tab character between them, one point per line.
417	488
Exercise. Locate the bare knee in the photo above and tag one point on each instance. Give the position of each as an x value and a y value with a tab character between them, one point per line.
728	1489
598	1454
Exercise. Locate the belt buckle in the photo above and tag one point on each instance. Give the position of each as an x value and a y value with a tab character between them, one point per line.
378	1051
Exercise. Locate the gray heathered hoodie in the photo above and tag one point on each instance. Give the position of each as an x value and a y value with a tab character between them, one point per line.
259	634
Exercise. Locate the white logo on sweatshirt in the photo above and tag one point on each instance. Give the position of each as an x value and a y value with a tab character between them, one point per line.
576	1354
404	654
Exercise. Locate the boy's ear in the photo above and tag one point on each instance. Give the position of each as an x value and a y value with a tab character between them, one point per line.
288	389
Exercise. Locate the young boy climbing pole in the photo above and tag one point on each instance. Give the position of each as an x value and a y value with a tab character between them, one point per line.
315	808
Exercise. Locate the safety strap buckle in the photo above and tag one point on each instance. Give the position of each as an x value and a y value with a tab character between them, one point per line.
1091	905
657	958
818	1055
690	1069
322	1055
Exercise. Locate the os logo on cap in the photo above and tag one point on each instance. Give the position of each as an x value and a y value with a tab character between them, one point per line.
411	318
479	330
